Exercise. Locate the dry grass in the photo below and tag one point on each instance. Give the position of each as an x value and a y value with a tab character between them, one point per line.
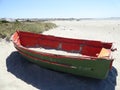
8	28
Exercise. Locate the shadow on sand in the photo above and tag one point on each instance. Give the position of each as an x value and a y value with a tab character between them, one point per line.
50	80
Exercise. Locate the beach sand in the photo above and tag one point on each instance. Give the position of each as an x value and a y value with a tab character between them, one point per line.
18	74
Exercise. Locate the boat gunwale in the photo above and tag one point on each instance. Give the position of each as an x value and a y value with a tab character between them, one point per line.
49	62
61	56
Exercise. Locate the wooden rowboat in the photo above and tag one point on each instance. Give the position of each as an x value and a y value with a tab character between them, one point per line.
94	59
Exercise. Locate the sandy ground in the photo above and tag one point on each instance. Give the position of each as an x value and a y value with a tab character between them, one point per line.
18	74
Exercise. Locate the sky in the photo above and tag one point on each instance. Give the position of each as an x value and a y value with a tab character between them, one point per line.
59	8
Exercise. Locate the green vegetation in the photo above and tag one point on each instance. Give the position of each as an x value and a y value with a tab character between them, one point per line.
8	28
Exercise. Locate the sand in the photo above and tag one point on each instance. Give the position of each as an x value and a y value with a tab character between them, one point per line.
54	51
18	74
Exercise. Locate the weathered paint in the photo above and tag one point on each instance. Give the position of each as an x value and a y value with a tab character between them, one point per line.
90	66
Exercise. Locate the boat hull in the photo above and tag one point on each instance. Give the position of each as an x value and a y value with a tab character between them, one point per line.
96	68
89	66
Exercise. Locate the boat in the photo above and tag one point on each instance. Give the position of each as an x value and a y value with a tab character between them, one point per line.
93	60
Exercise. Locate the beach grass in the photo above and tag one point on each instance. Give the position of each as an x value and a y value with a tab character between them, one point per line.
8	28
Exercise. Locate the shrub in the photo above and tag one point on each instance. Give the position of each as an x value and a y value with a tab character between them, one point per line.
7	29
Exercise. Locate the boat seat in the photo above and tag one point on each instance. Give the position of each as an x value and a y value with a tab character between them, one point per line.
104	53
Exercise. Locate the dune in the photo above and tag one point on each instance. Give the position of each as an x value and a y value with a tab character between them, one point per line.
16	73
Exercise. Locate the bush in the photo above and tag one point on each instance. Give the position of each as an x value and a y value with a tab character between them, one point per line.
4	21
7	29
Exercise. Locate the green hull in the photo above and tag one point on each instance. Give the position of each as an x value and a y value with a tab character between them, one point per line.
98	68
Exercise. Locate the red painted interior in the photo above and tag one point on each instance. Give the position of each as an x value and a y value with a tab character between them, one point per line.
85	47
